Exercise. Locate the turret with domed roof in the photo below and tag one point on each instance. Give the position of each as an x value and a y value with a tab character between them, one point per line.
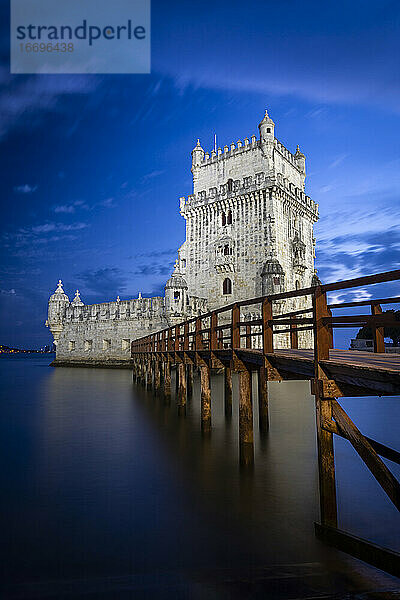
58	303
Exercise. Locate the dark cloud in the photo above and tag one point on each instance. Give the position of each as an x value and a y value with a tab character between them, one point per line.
154	269
106	282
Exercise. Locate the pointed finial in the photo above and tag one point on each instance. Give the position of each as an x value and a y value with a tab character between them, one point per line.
118	299
77	300
140	296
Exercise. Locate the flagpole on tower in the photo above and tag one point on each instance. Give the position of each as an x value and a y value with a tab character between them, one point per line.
215	142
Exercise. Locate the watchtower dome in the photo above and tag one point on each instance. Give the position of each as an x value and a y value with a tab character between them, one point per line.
58	303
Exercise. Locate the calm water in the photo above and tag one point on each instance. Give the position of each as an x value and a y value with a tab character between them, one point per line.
106	492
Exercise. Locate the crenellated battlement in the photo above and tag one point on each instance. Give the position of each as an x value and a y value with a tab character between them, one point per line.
228	151
247	186
128	310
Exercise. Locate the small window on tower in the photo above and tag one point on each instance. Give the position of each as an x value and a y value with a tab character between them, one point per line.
230	185
229	219
297	285
268	129
177	295
226	250
223	218
183	263
277	280
227	286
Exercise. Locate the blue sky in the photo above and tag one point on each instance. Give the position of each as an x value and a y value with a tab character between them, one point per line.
93	166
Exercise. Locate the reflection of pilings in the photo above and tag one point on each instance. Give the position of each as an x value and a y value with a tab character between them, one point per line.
246	439
326	462
176	381
149	374
181	378
205	398
167	381
157	377
263	416
189	379
228	391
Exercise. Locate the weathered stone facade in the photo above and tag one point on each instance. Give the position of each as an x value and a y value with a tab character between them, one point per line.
249	232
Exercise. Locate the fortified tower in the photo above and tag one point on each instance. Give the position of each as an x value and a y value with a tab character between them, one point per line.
249	223
249	232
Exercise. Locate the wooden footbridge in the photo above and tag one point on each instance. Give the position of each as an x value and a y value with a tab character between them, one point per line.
225	339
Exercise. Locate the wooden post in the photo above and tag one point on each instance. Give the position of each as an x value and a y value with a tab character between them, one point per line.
167	381
177	341
169	340
267	331
205	398
186	336
294	336
263	416
198	335
378	332
213	331
228	391
235	327
182	392
246	439
326	457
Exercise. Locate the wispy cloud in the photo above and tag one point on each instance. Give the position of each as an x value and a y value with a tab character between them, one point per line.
338	161
25	189
152	175
10	292
22	98
43	233
73	207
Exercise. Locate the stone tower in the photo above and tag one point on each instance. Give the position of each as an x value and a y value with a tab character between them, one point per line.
58	303
176	297
249	223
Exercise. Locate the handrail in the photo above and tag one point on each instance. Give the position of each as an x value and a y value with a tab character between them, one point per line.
172	339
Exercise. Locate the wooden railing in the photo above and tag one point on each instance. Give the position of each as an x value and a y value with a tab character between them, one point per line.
205	332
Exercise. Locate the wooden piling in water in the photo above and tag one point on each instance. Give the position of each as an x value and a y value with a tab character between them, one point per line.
205	398
182	390
189	380
263	415
246	437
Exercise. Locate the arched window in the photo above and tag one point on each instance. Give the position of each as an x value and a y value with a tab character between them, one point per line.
223	218
227	286
229	219
226	250
230	185
297	285
268	129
